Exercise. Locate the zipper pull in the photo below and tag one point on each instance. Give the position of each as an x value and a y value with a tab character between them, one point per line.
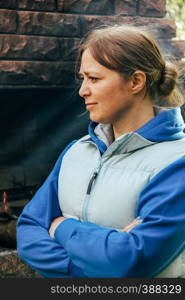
91	182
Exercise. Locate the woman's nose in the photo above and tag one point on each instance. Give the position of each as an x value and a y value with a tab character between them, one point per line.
84	89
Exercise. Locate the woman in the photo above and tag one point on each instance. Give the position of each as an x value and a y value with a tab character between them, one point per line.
120	189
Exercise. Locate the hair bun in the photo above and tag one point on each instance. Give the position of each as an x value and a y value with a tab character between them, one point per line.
168	80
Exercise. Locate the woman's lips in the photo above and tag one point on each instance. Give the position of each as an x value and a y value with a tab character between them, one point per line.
90	105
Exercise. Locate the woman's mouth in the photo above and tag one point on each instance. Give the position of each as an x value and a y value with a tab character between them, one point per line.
90	104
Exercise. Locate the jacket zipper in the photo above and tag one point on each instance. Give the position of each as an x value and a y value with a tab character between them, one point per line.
89	188
93	178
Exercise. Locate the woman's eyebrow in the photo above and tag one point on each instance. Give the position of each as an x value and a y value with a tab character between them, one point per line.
87	73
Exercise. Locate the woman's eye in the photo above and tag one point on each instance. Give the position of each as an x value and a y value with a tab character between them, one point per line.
93	79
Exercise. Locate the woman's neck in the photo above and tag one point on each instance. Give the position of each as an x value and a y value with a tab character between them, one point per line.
134	118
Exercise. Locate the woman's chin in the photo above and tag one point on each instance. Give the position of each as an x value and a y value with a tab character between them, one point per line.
98	120
94	118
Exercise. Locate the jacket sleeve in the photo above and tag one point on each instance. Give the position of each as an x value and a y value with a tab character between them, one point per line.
34	244
148	248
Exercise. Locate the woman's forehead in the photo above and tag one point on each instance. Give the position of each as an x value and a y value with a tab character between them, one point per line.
89	64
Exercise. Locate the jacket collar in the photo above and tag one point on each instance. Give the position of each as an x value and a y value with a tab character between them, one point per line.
167	125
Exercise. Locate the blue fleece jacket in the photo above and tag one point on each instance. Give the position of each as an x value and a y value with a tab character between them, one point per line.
74	251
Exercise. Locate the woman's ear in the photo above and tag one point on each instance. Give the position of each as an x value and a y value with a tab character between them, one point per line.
138	81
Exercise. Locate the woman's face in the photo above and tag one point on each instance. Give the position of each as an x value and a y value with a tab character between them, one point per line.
107	95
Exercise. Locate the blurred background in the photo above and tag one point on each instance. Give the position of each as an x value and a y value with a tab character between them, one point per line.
175	9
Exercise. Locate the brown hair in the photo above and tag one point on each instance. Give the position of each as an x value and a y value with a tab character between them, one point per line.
126	49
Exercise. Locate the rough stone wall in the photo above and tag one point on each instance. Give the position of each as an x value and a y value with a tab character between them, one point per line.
38	38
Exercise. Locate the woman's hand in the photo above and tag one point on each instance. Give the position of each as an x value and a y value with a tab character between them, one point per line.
131	225
58	220
54	225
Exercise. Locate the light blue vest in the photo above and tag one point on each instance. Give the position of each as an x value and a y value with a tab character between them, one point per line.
121	174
